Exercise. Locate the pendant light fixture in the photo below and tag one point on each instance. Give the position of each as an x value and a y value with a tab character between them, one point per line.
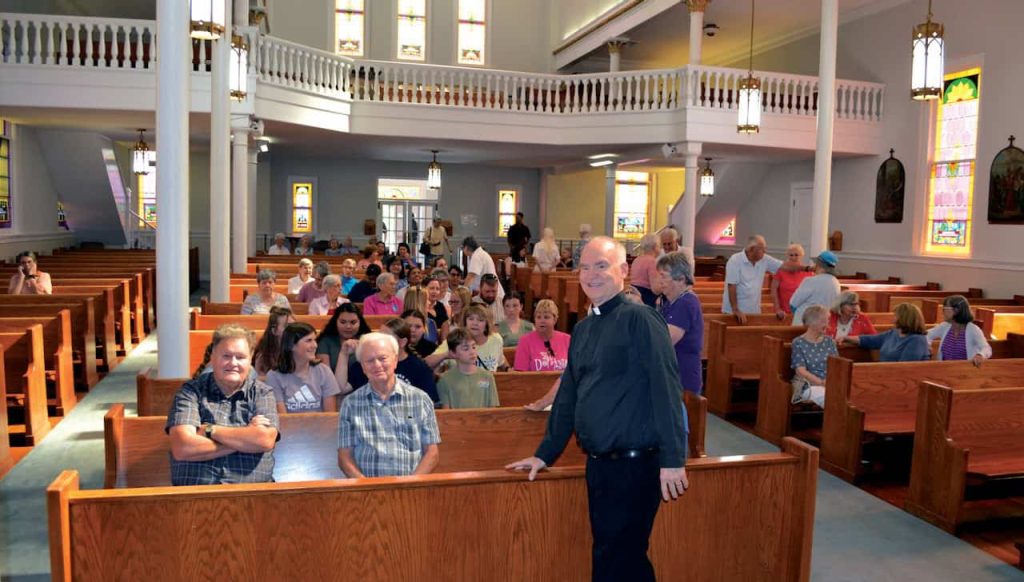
927	68
434	172
239	67
208	19
707	179
750	91
141	155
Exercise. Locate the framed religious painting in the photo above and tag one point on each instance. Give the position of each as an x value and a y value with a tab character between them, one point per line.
889	190
1006	186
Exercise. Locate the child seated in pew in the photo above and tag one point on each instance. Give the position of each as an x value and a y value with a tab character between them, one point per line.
810	357
300	382
268	351
418	323
466	385
905	342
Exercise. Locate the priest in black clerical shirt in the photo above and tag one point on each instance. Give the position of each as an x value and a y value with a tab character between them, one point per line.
620	394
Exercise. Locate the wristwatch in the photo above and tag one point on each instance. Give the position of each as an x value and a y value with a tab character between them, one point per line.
208	431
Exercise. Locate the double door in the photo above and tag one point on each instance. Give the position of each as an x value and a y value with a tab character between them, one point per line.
405	221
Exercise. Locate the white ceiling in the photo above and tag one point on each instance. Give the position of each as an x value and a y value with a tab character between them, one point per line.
663	41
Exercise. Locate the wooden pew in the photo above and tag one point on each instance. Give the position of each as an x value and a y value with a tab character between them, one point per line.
57	351
209	308
887	300
6	456
998	322
869	401
515	390
116	300
101	312
964	441
545	520
259	322
130	297
25	381
83	333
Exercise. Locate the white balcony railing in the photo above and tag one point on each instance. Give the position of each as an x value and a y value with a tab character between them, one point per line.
130	44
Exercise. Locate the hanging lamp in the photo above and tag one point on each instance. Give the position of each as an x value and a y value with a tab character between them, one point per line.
208	19
707	179
927	68
141	155
239	79
434	172
750	91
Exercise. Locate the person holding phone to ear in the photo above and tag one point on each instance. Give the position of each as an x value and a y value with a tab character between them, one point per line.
29	280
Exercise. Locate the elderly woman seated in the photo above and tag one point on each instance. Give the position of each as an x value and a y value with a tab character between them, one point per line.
330	300
260	302
280	246
314	288
334	247
384	301
906	342
305	276
544	349
810	357
28	279
846	319
305	247
959	339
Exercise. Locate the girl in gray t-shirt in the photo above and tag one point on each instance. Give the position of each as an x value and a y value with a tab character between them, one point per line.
301	383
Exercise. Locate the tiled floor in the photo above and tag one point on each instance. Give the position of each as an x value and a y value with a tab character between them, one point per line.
856	537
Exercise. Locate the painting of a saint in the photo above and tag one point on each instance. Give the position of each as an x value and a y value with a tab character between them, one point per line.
1006	186
889	186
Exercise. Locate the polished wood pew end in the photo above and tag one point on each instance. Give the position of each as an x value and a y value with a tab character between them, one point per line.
492	521
25	383
58	355
967	446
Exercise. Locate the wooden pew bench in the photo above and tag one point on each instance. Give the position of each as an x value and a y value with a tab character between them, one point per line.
83	333
515	390
200	321
116	301
967	445
544	520
105	335
866	403
6	455
209	308
25	383
57	353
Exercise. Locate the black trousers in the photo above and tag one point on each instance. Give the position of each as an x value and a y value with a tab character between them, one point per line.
623	497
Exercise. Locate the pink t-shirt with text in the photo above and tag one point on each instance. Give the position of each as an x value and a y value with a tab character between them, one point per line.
533	356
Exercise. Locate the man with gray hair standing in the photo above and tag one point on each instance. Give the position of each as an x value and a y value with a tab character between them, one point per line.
744	278
671	242
387	427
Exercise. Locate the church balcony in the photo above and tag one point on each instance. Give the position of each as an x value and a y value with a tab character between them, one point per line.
95	64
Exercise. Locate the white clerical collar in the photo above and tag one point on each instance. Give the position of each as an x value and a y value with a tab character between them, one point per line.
595	310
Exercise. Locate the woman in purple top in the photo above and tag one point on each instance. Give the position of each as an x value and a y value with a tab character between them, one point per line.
682	312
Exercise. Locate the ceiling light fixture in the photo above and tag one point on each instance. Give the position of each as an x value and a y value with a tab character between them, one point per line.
434	172
208	19
263	145
707	179
602	156
239	71
750	91
927	68
599	163
141	155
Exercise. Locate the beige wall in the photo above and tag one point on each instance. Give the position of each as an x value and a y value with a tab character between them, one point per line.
575	198
668	186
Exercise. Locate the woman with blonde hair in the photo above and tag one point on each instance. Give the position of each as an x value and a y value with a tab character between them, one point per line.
544	349
416	299
460	299
546	252
643	273
476	319
905	342
786	281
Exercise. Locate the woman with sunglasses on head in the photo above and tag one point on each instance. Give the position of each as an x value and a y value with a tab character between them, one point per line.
544	349
960	340
788	278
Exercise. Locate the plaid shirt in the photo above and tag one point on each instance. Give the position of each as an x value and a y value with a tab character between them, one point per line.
201	401
387	436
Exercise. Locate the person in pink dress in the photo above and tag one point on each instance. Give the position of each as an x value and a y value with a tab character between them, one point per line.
643	273
544	349
384	301
787	279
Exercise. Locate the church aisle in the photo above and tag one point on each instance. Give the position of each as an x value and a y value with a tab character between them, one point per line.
857	537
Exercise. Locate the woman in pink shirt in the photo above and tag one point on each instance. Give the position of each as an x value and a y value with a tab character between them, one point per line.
642	273
543	349
788	278
384	301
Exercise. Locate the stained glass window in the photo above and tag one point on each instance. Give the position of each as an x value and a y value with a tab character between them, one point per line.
728	235
302	207
951	187
412	30
62	217
508	205
5	173
632	190
349	27
472	32
147	195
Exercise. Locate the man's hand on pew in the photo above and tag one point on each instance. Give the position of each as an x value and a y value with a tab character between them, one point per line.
741	317
531	464
673	483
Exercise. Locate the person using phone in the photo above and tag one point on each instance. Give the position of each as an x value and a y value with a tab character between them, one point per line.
29	280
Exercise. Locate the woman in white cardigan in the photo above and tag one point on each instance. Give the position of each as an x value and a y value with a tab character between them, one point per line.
960	339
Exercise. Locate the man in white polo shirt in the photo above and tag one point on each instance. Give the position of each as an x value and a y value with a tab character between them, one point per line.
744	277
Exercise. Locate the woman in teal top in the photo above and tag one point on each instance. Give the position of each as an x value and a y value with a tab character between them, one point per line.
513	327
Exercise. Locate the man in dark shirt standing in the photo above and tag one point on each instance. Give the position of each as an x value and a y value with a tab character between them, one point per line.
518	234
621	395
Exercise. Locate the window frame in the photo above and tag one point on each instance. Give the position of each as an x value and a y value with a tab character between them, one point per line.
294	181
7	135
333	40
649	183
488	16
498	190
427	36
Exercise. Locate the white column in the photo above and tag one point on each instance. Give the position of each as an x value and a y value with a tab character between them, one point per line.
615	55
687	213
696	8
826	116
609	200
220	168
173	76
241	16
239	199
253	206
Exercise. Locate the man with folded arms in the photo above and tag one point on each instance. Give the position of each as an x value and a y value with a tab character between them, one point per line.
387	427
621	395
